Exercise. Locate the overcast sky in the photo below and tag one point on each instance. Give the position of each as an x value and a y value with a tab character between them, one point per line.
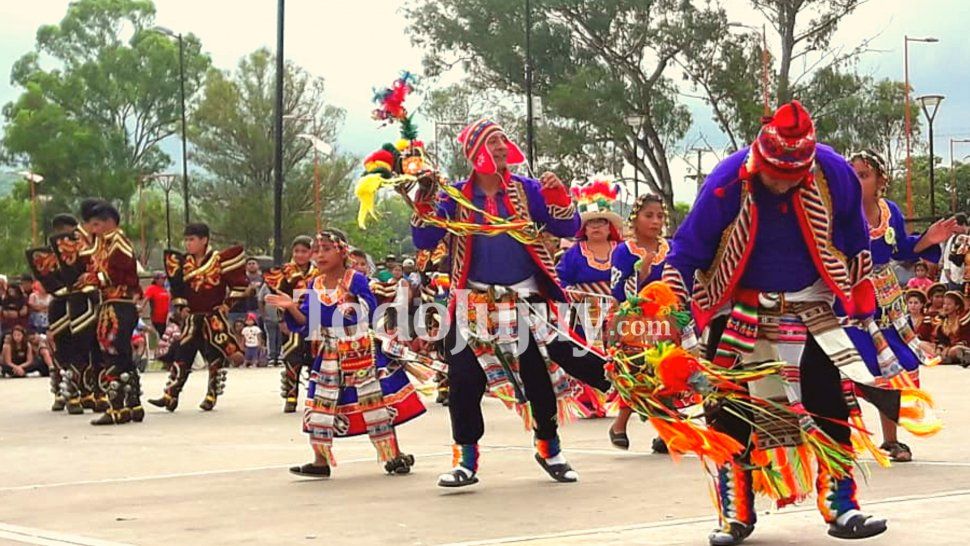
358	45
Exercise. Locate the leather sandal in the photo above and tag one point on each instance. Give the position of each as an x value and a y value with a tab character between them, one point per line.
858	526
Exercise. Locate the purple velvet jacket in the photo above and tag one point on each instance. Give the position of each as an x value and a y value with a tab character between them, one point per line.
740	236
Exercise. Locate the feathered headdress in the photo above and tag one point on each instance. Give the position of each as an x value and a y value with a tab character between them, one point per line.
597	199
406	156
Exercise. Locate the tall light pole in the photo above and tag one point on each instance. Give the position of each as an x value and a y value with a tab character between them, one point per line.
167	183
635	122
278	152
953	175
529	115
930	104
909	127
32	179
185	156
319	147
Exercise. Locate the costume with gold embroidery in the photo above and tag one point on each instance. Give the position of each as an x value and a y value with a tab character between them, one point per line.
77	253
295	352
116	269
206	287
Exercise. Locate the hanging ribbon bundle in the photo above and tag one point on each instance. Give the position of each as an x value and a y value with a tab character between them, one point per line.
672	389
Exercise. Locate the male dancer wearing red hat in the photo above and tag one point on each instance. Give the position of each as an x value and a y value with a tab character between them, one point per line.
495	277
776	236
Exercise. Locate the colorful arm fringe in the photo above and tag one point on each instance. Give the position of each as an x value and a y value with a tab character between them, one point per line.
672	389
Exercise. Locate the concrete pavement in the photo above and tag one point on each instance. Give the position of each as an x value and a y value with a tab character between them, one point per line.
213	478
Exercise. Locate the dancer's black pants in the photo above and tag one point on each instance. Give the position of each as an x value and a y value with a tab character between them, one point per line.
467	383
821	392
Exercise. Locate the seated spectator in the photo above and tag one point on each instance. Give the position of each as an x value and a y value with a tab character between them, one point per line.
915	303
916	309
13	306
237	332
921	281
952	335
18	354
935	296
43	355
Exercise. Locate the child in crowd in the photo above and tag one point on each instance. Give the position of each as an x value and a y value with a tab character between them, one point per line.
922	280
251	341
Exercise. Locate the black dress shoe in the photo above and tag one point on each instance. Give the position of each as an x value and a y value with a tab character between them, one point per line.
619	440
311	470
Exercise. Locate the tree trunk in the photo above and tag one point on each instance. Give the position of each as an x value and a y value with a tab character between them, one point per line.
786	19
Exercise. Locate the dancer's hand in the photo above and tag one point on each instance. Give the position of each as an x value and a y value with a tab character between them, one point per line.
941	230
281	301
550	181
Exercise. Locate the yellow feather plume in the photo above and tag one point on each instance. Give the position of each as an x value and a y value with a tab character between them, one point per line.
366	193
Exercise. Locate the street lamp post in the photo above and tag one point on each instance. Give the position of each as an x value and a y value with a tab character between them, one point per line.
909	127
167	183
319	147
953	174
185	158
636	123
32	179
530	119
930	104
278	151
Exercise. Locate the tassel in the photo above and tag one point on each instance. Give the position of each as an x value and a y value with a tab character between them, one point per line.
862	441
684	436
916	413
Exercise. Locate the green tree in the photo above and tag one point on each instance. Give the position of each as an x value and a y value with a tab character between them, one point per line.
596	62
727	73
805	28
731	70
390	234
942	186
91	122
232	134
14	233
564	145
853	112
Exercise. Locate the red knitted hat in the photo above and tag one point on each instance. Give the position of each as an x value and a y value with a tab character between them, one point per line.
785	147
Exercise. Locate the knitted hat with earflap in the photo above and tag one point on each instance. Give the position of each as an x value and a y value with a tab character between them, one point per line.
473	139
785	147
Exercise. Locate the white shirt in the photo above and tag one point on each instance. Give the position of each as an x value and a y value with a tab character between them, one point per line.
952	273
251	336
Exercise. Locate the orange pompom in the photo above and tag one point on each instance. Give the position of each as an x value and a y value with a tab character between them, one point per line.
675	370
659	293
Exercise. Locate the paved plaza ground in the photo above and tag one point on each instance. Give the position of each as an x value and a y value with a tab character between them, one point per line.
220	478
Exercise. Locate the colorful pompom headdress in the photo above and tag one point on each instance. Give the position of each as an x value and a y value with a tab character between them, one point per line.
473	139
406	156
598	199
